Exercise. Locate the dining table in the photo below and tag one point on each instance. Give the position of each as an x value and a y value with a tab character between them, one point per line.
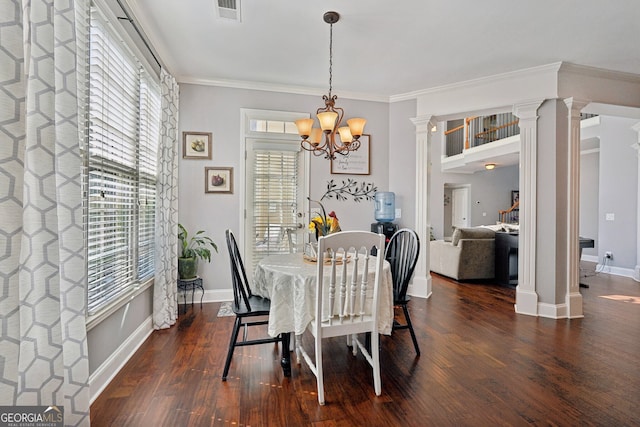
289	281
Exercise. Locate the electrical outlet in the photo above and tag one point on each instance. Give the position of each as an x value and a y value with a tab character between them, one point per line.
608	255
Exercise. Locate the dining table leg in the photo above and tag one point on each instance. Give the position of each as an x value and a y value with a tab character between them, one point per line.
285	362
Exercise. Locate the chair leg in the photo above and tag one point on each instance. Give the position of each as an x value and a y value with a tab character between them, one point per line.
410	325
232	346
319	370
375	356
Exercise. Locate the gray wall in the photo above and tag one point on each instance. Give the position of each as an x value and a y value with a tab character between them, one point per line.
402	159
105	338
589	195
618	192
217	110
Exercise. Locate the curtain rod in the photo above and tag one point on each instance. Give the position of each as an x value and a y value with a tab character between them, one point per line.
135	27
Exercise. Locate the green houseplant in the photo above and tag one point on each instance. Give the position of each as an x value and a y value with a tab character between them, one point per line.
192	248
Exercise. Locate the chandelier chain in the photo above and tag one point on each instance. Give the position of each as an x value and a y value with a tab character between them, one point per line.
330	59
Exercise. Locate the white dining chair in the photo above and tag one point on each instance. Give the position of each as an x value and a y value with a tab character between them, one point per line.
346	298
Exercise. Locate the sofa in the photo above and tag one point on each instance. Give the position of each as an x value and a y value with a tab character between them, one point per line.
470	254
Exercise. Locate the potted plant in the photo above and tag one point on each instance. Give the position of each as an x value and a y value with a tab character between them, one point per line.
192	248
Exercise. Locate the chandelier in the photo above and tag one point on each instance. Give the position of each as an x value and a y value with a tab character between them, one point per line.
330	118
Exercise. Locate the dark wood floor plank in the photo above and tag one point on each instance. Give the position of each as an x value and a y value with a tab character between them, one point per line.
481	364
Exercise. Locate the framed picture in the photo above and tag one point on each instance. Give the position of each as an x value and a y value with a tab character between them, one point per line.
356	162
515	197
218	180
196	145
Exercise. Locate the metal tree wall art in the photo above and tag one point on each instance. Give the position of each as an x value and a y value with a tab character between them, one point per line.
358	191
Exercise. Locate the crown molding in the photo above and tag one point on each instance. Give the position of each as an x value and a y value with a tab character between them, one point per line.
542	69
271	87
601	73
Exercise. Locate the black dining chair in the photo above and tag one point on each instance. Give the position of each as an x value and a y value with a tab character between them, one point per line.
402	253
246	306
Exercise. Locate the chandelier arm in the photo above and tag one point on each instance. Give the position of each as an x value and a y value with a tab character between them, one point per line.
307	145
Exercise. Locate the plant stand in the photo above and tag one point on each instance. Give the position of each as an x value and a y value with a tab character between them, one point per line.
185	285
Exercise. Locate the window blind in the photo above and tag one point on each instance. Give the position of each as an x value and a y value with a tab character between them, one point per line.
275	200
123	132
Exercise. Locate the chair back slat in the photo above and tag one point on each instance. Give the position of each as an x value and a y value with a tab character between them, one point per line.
241	288
364	283
402	253
356	282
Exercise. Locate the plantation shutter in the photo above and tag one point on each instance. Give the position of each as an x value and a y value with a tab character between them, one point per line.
275	199
122	146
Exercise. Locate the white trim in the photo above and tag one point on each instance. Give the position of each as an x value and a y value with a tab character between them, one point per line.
601	73
526	292
552	311
102	376
533	71
421	285
591	151
217	295
280	88
616	271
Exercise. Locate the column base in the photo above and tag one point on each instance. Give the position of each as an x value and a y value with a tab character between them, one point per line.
526	302
421	287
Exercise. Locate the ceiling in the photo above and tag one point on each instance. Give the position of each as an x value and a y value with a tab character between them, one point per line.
382	49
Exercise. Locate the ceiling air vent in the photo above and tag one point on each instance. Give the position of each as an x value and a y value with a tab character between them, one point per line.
228	9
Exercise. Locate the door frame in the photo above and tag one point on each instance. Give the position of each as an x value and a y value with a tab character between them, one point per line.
467	201
246	115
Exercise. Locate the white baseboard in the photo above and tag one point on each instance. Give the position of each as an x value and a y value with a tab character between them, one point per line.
552	311
102	376
218	295
616	271
590	258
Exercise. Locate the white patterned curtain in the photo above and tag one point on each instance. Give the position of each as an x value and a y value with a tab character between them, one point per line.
43	353
165	301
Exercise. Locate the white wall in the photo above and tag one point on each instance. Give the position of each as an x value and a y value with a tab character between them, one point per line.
217	110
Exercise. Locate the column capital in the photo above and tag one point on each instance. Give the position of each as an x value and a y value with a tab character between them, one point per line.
423	123
527	110
575	105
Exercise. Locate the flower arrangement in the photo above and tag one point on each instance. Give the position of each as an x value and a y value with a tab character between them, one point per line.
323	224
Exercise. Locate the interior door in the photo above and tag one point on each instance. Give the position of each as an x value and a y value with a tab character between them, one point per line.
460	207
276	193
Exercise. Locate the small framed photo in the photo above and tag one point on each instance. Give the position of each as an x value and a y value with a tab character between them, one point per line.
218	180
196	145
356	162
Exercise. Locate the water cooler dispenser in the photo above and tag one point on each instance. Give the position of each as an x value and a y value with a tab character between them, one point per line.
385	213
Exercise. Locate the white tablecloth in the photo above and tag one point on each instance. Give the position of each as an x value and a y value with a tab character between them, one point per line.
289	282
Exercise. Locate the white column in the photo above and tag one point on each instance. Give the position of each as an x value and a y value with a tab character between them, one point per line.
636	270
421	285
573	298
526	296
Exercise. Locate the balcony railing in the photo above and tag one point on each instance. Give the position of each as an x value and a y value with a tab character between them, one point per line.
480	130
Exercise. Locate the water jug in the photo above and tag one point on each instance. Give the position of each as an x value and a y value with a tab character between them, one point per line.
385	202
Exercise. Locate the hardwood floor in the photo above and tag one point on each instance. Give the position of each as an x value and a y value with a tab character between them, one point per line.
481	365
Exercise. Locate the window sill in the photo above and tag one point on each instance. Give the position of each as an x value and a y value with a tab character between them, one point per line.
95	319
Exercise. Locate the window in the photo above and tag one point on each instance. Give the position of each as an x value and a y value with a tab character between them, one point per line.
120	183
